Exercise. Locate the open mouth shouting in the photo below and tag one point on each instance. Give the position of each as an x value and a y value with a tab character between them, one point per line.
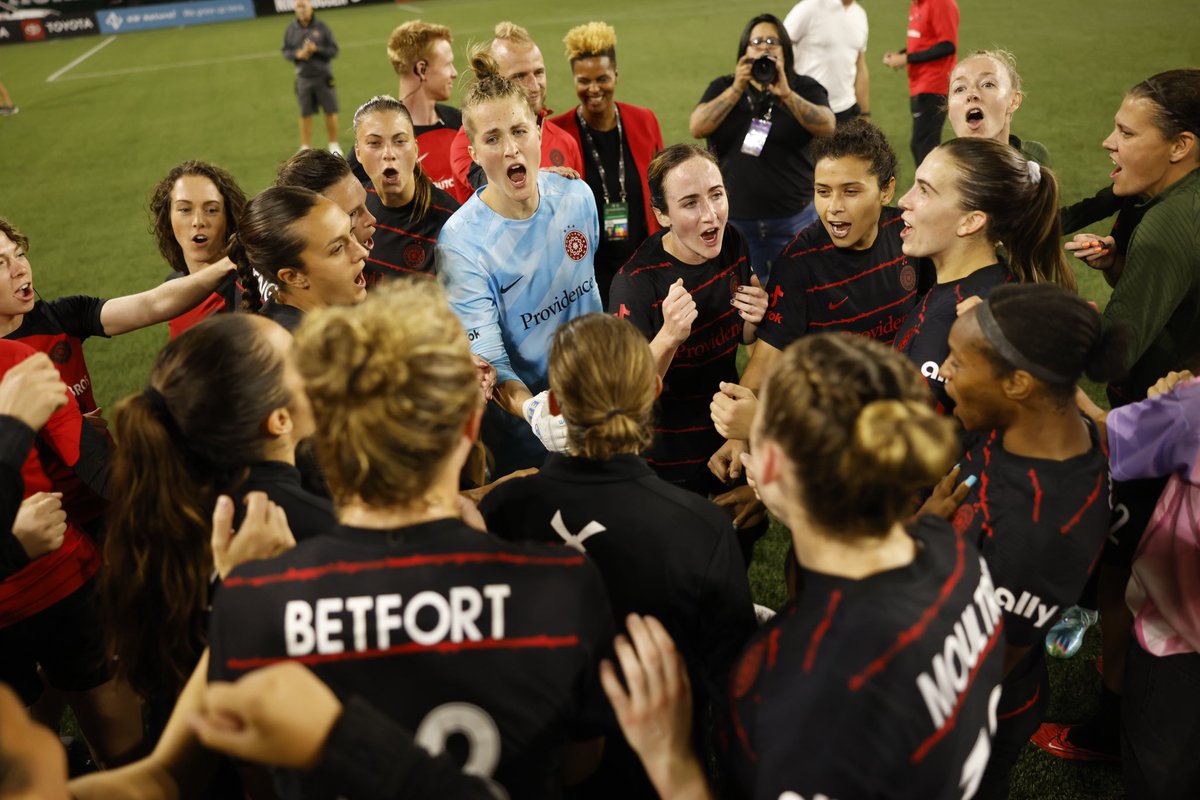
518	176
975	118
906	230
711	237
391	176
837	229
24	292
200	241
1112	176
360	280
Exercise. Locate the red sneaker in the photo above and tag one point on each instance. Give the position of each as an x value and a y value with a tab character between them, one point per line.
1052	737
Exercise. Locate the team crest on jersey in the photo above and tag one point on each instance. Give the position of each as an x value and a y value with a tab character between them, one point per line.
576	245
963	518
61	352
557	158
908	277
414	255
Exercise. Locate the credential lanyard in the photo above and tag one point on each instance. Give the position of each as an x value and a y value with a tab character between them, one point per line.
596	154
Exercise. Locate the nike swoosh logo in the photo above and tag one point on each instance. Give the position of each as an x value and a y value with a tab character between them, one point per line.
838	304
504	289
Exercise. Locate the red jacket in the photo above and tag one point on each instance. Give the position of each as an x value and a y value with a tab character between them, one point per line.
558	150
645	142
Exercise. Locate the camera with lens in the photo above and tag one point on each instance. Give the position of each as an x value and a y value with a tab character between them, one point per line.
763	70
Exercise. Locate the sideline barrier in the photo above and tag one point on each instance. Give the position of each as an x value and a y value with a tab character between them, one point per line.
270	8
39	29
171	15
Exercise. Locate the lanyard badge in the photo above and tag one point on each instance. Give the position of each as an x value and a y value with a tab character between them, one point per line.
756	137
616	213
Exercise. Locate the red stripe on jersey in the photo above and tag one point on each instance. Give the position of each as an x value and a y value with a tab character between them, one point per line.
684	430
736	719
523	643
773	647
809	251
1091	498
724	274
712	322
354	567
648	266
1037	495
825	324
404	232
917	630
1037	692
986	525
398	268
677	463
814	643
856	276
947	726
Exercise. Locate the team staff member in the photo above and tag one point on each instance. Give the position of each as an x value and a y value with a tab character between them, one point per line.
301	247
929	56
501	638
661	550
193	212
845	693
760	131
847	274
617	140
829	40
969	196
518	59
309	44
1040	508
688	290
516	260
409	209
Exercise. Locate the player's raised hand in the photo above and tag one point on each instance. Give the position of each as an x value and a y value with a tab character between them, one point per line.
41	524
1168	383
486	374
732	410
264	532
1098	252
751	301
726	463
32	390
947	495
679	313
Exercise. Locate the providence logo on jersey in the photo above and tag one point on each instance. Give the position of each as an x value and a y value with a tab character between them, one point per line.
560	304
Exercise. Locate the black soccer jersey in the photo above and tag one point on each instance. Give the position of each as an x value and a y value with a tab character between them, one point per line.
816	287
925	335
308	514
404	246
446	630
876	687
1040	524
289	317
58	328
684	434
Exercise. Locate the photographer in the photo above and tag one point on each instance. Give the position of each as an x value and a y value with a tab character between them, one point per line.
759	121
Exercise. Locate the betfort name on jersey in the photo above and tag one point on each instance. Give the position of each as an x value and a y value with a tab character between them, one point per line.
333	625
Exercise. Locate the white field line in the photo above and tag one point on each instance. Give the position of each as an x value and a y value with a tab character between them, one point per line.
81	59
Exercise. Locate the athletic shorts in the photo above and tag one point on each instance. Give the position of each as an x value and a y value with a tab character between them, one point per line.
313	92
66	640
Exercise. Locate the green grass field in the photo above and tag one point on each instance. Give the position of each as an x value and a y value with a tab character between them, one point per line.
79	161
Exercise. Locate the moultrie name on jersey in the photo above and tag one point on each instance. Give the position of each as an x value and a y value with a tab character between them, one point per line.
426	618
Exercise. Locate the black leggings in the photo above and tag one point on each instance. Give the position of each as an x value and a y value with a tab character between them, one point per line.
929	114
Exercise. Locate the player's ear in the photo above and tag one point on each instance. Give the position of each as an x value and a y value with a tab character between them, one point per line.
972	222
278	423
293	278
663	220
471	151
1018	385
889	192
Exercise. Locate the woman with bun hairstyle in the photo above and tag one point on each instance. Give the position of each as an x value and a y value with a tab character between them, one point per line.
194	210
295	251
443	628
517	262
970	198
410	210
617	141
222	414
660	549
1039	508
846	692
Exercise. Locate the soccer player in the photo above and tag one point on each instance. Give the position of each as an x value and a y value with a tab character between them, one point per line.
969	196
1040	509
193	211
330	176
445	629
223	412
618	141
410	210
301	247
516	260
829	40
309	44
880	678
847	274
661	550
519	59
929	57
985	92
688	289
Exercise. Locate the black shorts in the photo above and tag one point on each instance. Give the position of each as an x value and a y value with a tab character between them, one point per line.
66	639
313	92
1133	505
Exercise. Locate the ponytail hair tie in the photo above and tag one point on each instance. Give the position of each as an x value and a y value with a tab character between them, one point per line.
1035	171
158	405
614	412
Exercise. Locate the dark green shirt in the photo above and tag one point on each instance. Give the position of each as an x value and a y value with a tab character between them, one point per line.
1158	294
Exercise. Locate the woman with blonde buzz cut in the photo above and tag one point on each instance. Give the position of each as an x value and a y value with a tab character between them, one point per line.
617	140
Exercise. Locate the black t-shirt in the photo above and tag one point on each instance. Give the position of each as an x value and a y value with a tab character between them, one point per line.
58	328
611	254
925	335
779	181
1040	524
684	434
308	514
442	628
289	317
816	287
404	246
876	687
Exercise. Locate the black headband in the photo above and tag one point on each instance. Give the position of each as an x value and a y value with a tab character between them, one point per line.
1006	350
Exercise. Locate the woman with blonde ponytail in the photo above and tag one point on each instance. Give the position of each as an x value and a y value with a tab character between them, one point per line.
662	550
